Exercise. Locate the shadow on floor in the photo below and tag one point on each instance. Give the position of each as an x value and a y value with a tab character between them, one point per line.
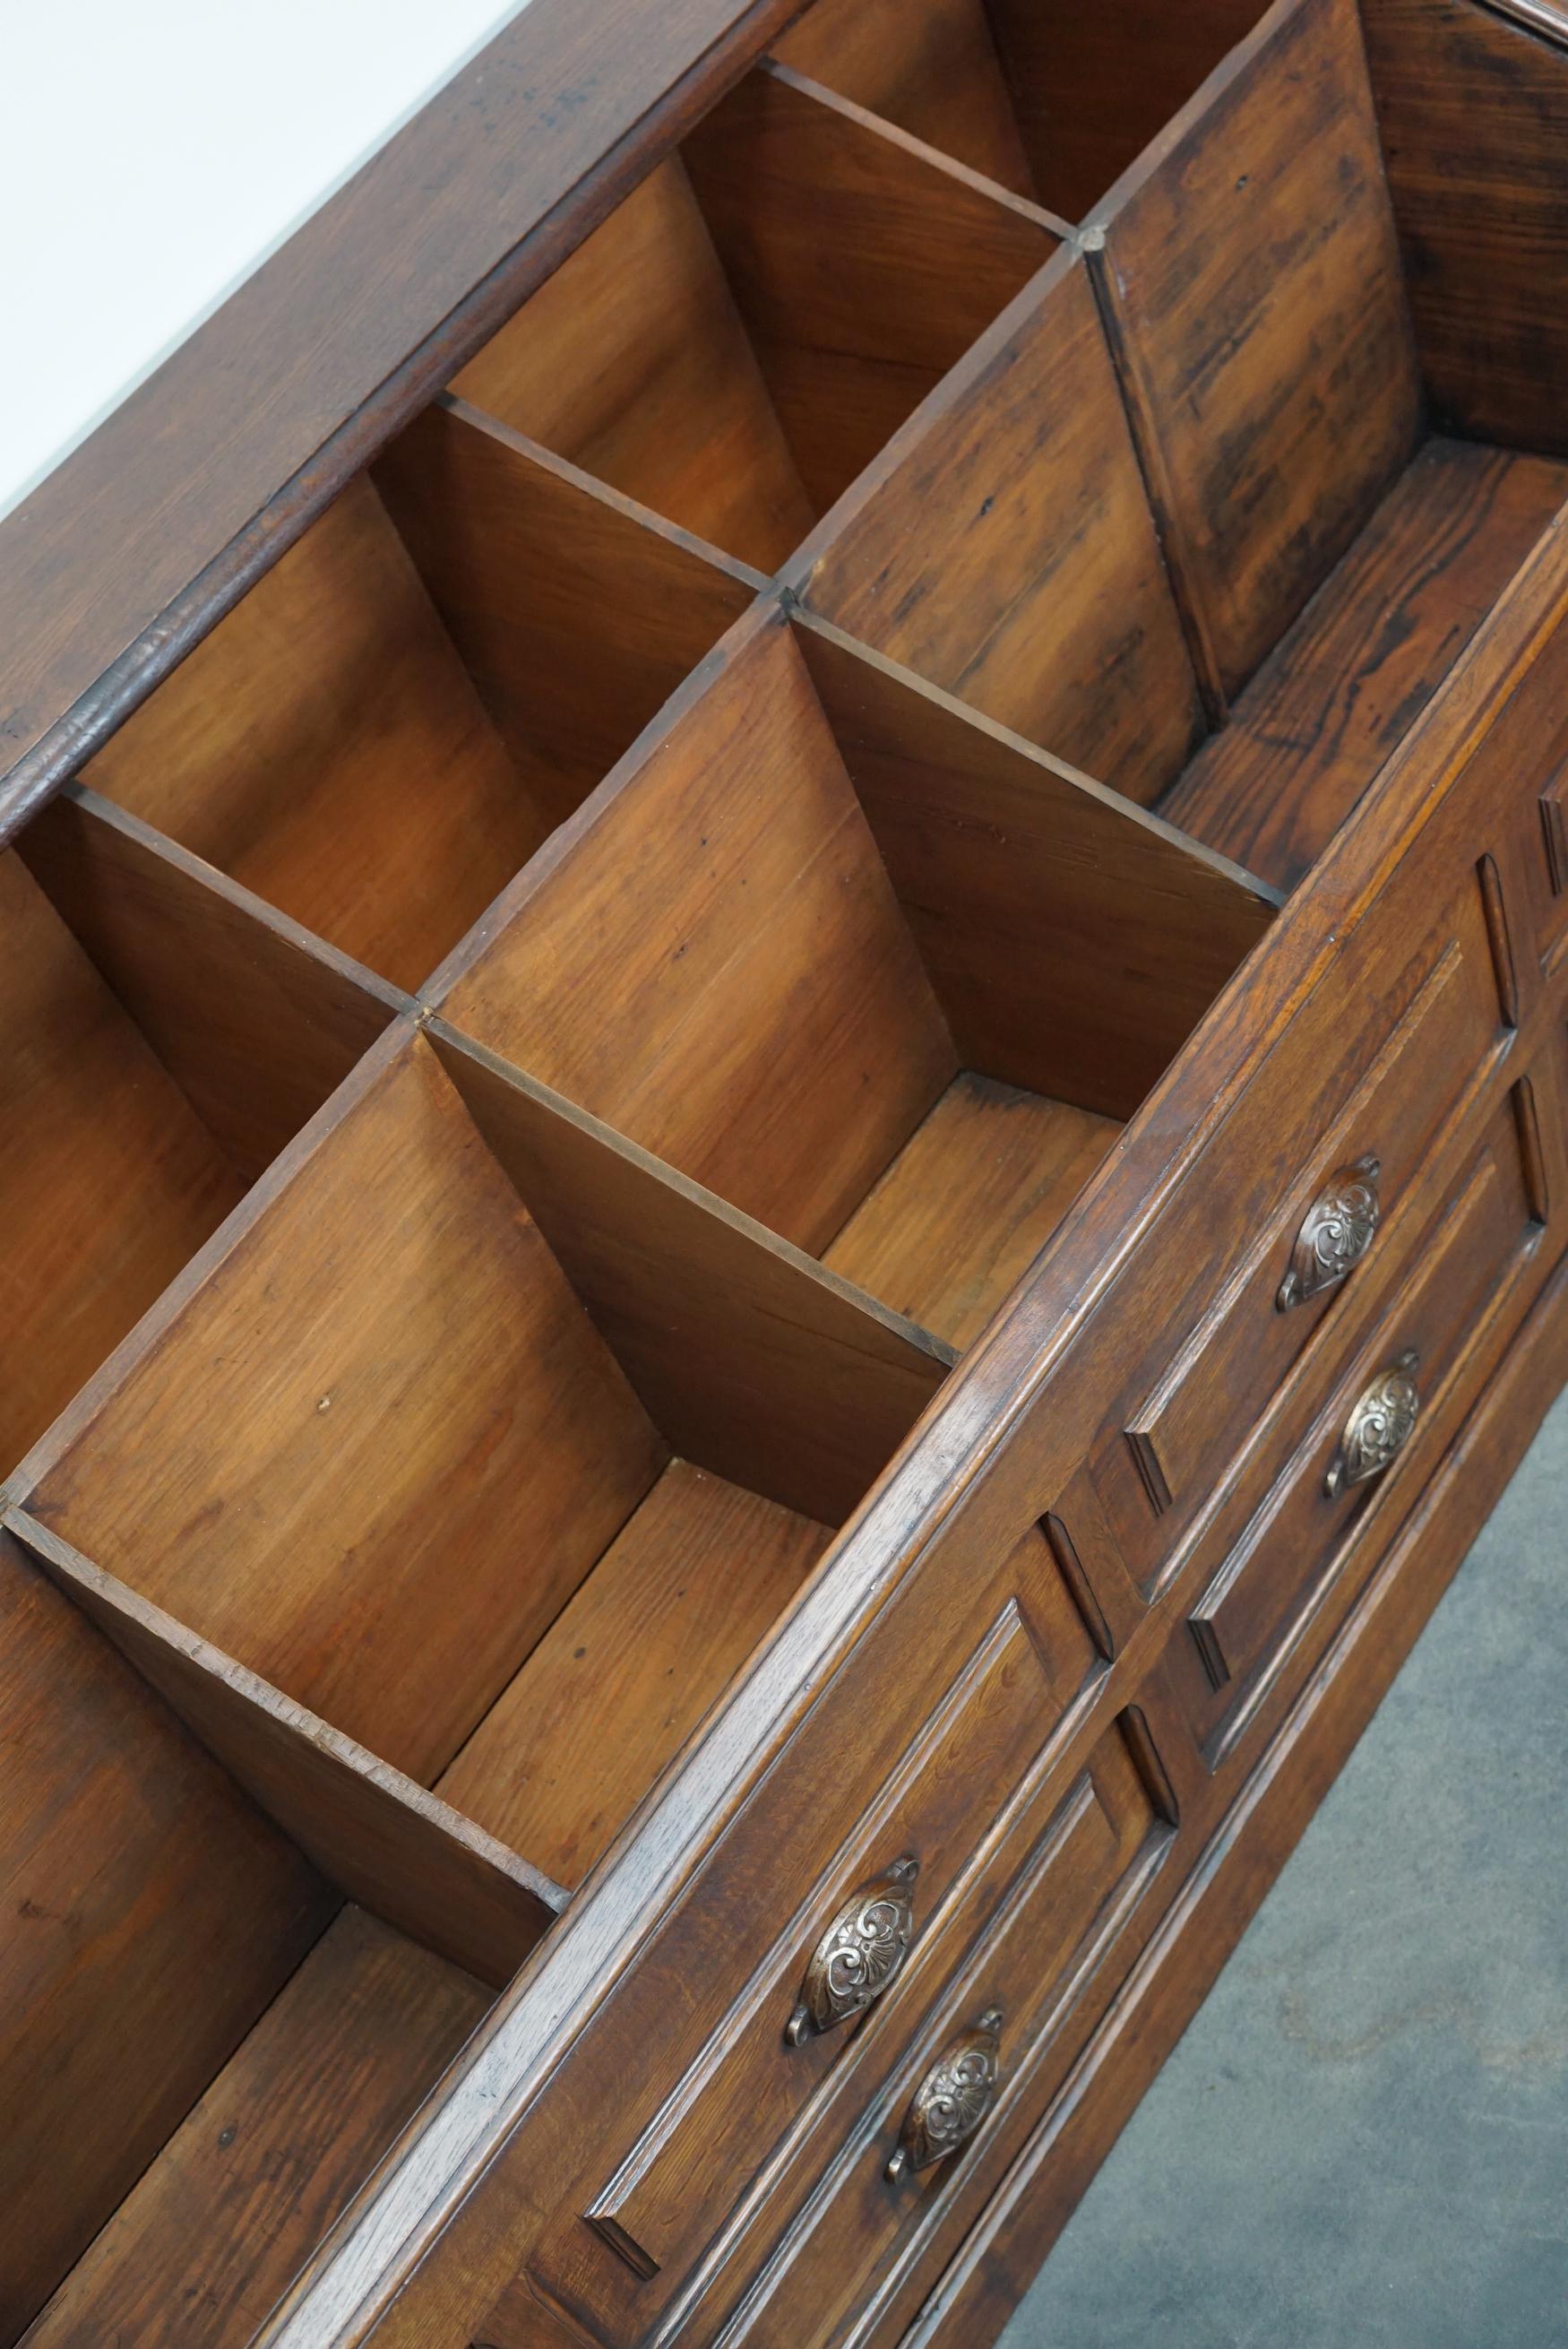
1362	2141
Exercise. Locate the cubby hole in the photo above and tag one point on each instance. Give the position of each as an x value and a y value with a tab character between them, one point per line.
204	2052
160	1046
865	965
376	747
1049	98
738	339
512	1535
1180	515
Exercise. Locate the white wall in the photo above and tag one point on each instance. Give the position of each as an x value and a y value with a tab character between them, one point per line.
155	153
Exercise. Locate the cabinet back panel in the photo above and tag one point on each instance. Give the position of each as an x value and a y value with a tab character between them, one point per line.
758	1014
1253	283
930	65
1474	114
151	1915
633	362
1004	550
326	746
922	258
109	1182
380	1446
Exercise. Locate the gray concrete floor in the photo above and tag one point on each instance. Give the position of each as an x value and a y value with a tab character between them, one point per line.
1362	2141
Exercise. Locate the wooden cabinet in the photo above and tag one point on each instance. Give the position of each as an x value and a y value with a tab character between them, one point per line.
785	1164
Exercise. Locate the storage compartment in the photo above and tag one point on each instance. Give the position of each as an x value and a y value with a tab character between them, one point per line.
742	334
161	1045
873	973
328	746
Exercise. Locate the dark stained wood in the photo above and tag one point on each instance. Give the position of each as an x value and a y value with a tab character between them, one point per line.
1473	113
759	1015
1073	940
200	478
1093	87
109	1181
437	1416
970	1200
576	615
930	65
252	2176
749	1358
372	1832
151	1914
1003	547
630	1666
255	1019
1345	683
1252	282
326	748
633	362
923	254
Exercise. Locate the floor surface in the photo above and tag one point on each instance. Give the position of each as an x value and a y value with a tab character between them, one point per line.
1362	2141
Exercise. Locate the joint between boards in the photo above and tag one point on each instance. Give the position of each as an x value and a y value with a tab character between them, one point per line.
1092	244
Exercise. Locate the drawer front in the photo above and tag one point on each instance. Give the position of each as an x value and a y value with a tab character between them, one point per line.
1007	2023
1463	1268
1523	765
1403	1082
622	2252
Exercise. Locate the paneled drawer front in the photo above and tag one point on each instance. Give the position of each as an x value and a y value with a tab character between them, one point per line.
1447	1021
1521	765
622	2249
1025	1999
1462	1265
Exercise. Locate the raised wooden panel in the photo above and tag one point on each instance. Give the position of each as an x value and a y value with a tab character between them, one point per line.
1251	280
1004	549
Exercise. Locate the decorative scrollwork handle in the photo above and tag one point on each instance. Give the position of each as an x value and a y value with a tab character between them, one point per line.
1340	1227
953	2100
860	1954
1379	1427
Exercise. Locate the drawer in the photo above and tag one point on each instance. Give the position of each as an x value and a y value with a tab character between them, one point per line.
1294	1547
1435	1038
1011	2011
913	1872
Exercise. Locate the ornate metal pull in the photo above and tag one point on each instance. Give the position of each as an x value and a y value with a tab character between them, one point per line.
1379	1427
953	2100
860	1954
1340	1225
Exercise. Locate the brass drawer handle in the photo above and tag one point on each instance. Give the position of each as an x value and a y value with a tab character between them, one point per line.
1379	1427
953	2100
1340	1227
859	1955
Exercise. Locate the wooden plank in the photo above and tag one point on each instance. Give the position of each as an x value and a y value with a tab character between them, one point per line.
130	550
1350	679
1473	111
256	2173
759	1017
1074	941
151	1913
622	1679
406	1856
576	613
633	363
1253	289
1003	547
930	65
752	1360
326	748
109	1181
969	1202
924	255
380	1444
256	1020
1092	88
